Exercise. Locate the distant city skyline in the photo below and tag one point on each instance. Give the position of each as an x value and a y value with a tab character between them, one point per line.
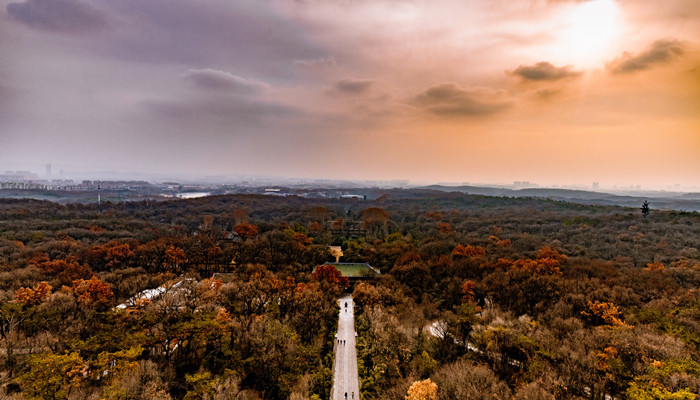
565	92
111	174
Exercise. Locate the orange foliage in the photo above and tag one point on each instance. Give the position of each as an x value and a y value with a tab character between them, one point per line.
366	295
434	215
602	313
547	262
656	266
174	256
608	354
546	266
468	251
503	243
212	284
66	270
301	239
445	227
548	252
92	292
503	263
118	251
467	290
95	229
315	227
407	258
33	296
330	274
246	231
214	251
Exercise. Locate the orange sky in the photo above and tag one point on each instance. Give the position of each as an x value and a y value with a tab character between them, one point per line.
553	92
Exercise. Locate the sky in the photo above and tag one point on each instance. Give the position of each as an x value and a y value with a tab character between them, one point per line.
549	91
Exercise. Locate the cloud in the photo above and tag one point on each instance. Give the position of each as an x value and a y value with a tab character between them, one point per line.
353	86
544	71
660	52
248	35
318	63
65	16
211	79
448	99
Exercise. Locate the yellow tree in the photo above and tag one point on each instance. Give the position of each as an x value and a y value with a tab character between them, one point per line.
422	390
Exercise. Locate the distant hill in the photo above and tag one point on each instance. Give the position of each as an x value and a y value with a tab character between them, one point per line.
657	200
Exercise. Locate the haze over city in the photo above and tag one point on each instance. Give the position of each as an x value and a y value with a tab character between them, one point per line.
553	92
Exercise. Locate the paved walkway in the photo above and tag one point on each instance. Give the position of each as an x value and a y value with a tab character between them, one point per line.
346	383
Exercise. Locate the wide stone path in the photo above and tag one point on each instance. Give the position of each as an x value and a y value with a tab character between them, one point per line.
346	383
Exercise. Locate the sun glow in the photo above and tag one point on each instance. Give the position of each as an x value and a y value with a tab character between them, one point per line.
590	33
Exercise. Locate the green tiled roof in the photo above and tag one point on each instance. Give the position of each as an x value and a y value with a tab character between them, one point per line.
355	270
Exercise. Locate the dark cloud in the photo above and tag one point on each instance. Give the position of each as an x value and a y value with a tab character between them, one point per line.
448	99
660	52
211	79
353	86
246	35
544	71
65	16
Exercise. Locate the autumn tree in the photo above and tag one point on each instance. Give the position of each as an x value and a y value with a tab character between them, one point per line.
375	214
329	273
655	267
319	212
366	295
467	290
468	251
66	270
33	296
52	376
445	227
422	390
602	313
92	293
246	231
374	219
174	258
315	228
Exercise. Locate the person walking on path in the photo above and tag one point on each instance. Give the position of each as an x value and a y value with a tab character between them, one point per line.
345	374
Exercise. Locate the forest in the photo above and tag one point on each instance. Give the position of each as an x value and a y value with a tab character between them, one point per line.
479	298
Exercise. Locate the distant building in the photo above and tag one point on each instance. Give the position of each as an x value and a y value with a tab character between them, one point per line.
18	176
